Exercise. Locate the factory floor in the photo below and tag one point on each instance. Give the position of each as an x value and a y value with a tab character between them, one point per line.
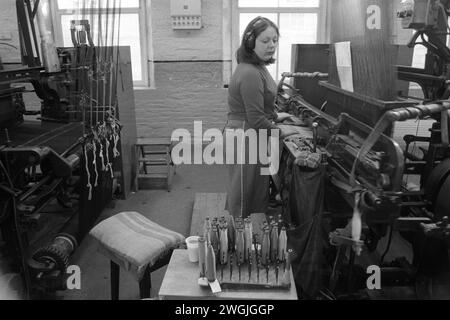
170	209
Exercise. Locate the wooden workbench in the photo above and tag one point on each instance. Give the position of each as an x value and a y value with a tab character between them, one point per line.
180	280
180	283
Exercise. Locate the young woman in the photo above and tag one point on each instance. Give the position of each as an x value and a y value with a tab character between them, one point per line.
251	103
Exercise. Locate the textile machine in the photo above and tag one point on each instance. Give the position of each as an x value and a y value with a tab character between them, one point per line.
57	163
368	173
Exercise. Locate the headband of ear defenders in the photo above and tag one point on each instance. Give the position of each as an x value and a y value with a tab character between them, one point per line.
249	34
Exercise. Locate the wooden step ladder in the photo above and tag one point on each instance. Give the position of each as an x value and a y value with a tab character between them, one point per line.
154	165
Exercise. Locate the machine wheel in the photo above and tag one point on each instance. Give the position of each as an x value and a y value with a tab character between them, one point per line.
52	254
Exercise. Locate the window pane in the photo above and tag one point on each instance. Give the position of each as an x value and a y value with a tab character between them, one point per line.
418	61
295	28
279	3
244	19
419	56
77	4
299	3
258	3
129	35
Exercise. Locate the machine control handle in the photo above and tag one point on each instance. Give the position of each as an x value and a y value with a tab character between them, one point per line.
304	75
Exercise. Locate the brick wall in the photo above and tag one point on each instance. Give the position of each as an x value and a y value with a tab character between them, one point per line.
188	71
161	111
201	44
188	74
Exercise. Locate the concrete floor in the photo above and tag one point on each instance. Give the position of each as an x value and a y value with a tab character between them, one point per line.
170	209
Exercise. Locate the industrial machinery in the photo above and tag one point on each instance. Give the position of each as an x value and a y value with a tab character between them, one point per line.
368	198
56	164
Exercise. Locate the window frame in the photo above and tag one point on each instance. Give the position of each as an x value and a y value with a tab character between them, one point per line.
143	34
322	32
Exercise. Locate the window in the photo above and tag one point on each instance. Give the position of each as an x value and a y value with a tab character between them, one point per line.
299	21
129	26
279	3
75	4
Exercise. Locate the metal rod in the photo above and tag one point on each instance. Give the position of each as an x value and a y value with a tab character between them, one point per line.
34	188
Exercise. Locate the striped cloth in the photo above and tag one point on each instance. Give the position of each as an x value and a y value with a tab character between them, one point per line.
133	241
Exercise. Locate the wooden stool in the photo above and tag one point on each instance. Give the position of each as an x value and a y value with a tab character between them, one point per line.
152	153
136	244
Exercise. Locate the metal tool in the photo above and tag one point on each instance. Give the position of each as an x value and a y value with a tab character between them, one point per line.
247	238
240	245
210	264
255	244
239	268
231	264
277	269
223	245
314	128
207	230
282	243
202	256
249	265
231	233
265	248
258	265
287	270
274	242
215	239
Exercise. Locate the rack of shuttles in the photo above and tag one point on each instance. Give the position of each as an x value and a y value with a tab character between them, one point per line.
231	253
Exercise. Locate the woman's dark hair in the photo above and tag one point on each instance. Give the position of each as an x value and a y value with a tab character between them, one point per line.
245	52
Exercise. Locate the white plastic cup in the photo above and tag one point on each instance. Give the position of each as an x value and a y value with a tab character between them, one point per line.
192	247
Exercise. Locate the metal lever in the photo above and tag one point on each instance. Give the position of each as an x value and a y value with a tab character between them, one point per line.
314	127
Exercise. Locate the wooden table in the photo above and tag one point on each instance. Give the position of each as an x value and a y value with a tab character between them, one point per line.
180	282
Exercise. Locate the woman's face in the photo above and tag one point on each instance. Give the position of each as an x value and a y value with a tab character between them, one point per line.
266	44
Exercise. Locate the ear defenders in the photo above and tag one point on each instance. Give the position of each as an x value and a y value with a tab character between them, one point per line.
249	40
250	37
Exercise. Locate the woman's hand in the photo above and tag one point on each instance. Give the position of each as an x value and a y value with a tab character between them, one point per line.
283	116
286	131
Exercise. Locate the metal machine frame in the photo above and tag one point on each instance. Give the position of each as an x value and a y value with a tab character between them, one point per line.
367	166
48	162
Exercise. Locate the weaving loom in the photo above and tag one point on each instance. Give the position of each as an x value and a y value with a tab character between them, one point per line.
68	159
366	169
